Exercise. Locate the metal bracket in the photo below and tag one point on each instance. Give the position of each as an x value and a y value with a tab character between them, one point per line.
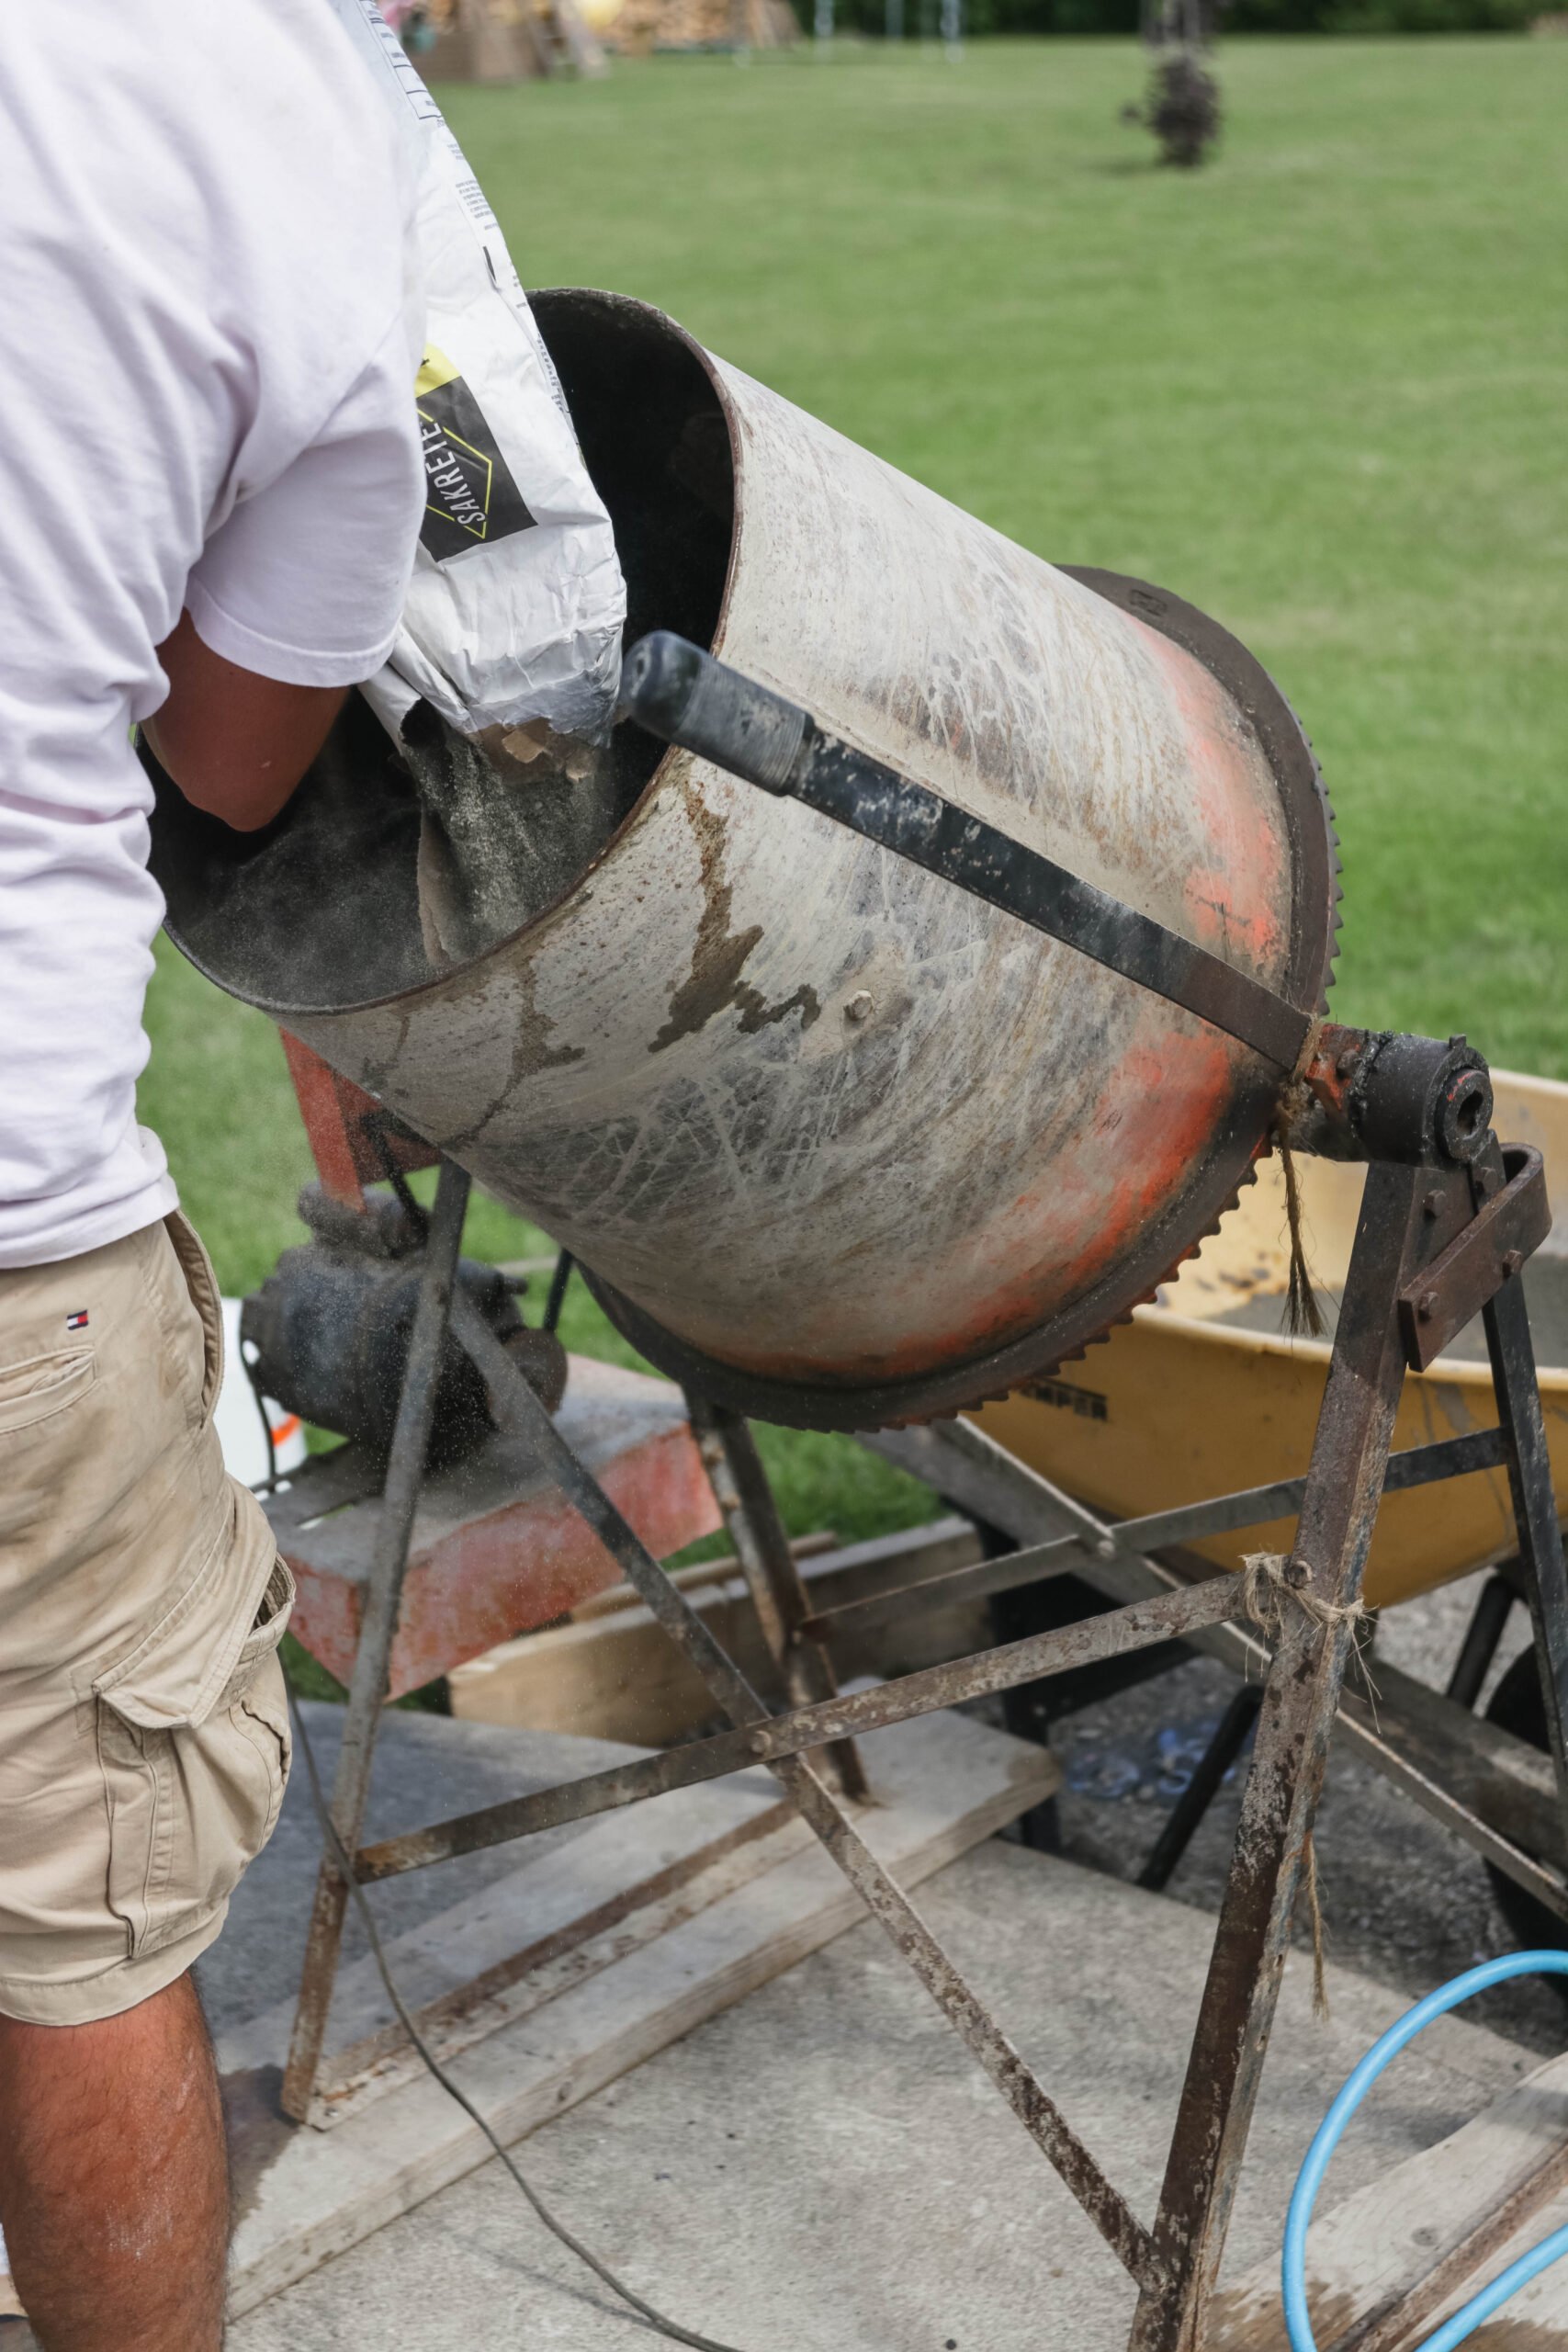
1435	1306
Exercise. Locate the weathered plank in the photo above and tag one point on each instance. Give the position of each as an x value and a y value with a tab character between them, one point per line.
615	1857
1382	2270
617	1676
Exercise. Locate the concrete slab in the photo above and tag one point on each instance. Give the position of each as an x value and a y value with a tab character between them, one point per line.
823	2169
618	1989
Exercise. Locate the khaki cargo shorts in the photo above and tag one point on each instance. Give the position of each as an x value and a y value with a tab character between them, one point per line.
144	1736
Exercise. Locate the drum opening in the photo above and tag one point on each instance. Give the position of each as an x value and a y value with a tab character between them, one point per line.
322	910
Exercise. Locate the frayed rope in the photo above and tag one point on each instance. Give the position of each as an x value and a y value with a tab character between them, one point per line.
1303	1317
1265	1592
1267	1585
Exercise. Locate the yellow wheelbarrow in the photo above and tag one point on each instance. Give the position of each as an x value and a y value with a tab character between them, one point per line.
1202	1394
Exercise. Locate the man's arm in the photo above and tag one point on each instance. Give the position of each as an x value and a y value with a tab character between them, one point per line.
236	744
298	591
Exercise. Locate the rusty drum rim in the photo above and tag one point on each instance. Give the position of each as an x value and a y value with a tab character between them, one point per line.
1172	1239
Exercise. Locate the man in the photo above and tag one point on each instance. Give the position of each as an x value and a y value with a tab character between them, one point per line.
210	494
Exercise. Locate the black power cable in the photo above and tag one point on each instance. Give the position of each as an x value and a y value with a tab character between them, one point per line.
558	2229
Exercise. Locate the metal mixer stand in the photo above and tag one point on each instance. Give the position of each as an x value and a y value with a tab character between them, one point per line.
1434	1243
1447	1218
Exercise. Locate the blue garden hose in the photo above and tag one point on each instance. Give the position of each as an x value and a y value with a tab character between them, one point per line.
1310	2179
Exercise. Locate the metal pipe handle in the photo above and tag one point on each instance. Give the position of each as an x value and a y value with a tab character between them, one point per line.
683	696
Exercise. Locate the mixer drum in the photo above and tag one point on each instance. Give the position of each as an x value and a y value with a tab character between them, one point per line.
834	1141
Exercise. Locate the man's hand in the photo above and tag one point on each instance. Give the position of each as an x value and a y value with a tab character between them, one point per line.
235	743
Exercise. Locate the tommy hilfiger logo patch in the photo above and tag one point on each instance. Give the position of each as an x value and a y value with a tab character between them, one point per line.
77	1322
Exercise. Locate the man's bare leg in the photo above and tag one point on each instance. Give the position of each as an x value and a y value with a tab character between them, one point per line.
113	2186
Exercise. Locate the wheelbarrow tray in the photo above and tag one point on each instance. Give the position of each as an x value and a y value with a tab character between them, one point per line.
1202	1393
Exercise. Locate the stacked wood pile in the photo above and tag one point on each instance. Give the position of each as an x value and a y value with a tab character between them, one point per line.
505	40
643	26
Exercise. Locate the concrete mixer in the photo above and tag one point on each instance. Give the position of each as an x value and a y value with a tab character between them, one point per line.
907	987
837	1142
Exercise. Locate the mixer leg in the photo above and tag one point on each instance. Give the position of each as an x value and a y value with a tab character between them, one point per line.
1187	1813
1280	1796
1535	1505
741	1490
1487	1626
367	1688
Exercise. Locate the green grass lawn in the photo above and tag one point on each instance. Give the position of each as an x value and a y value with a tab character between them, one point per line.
1318	389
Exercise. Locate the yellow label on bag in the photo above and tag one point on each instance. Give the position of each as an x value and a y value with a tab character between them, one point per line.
436	369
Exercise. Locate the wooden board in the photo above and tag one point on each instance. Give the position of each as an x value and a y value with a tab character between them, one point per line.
613	1673
1441	2224
623	1859
940	1785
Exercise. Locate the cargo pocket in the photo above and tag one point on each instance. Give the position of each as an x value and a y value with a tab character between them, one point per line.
194	1740
44	1385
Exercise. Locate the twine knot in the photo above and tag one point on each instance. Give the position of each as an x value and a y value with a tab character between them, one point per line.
1271	1580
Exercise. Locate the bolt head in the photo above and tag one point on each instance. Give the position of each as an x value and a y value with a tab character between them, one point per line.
1512	1260
1427	1306
1298	1572
1430	1204
861	1006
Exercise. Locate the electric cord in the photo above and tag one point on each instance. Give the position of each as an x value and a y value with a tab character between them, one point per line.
1463	2323
557	2228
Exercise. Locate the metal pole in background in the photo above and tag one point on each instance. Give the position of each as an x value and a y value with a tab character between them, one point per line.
822	27
893	20
367	1688
953	30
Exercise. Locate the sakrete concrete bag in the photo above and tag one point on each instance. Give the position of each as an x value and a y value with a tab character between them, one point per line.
515	608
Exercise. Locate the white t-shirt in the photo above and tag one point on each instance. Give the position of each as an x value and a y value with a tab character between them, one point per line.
209	359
